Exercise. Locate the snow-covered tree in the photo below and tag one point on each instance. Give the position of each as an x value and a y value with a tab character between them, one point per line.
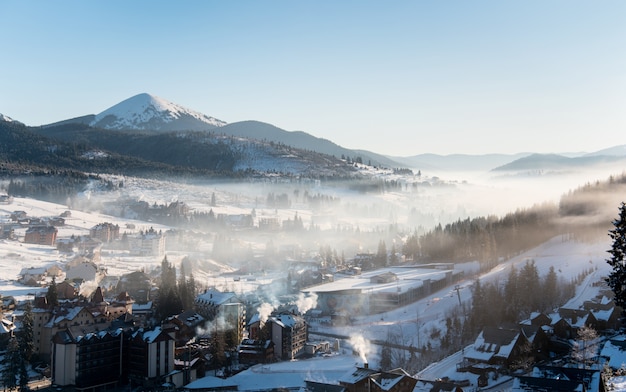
617	278
586	346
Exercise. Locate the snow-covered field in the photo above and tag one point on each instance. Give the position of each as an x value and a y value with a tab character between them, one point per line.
17	255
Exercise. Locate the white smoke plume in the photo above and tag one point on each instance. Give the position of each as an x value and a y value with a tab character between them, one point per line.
219	324
361	346
88	288
305	303
265	310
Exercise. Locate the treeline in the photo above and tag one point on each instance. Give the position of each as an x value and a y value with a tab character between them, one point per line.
175	296
189	150
21	148
582	213
486	239
523	292
55	187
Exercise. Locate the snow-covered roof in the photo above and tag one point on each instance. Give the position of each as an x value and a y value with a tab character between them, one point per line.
617	383
493	343
216	297
6	326
33	271
387	381
287	320
151	336
69	316
254	319
142	307
603	315
354	376
406	278
614	351
287	374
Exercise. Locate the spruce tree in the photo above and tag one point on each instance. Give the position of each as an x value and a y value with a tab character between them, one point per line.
25	335
52	296
617	277
23	374
10	364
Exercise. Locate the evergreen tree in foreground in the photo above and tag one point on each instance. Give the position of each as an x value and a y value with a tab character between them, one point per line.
617	278
10	365
25	335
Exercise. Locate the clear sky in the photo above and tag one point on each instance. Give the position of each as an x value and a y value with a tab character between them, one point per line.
395	77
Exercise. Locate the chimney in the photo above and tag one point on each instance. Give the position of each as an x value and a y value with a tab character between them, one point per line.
365	365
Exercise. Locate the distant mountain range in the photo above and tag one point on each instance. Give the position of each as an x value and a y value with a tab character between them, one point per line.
555	162
151	128
145	112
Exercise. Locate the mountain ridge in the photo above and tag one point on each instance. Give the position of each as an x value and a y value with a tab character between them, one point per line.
150	114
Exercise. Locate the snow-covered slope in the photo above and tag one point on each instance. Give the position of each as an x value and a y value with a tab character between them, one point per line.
148	112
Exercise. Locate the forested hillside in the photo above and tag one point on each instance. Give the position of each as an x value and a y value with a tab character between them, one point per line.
583	213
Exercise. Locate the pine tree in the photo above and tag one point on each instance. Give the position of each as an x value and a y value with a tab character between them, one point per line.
550	292
185	298
52	296
25	336
381	255
23	374
617	277
529	287
191	287
10	364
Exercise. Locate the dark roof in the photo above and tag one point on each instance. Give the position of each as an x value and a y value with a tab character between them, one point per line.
315	386
547	384
499	336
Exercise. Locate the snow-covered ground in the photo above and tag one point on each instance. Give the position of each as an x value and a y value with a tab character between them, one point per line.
17	255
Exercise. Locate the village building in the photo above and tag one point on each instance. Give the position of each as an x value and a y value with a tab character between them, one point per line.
8	303
236	221
87	362
85	271
366	379
495	348
567	322
151	357
138	285
105	232
79	318
380	290
183	326
289	334
210	303
7	328
7	232
269	224
41	235
256	351
32	276
550	378
149	243
67	290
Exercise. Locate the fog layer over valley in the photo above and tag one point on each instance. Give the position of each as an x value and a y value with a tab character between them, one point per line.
417	243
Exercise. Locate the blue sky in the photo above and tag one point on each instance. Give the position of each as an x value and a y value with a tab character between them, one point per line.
398	78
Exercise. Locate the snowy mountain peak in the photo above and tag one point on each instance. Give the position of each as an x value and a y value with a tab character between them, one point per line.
6	118
149	112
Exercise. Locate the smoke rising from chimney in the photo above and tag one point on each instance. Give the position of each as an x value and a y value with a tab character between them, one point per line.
361	346
305	303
